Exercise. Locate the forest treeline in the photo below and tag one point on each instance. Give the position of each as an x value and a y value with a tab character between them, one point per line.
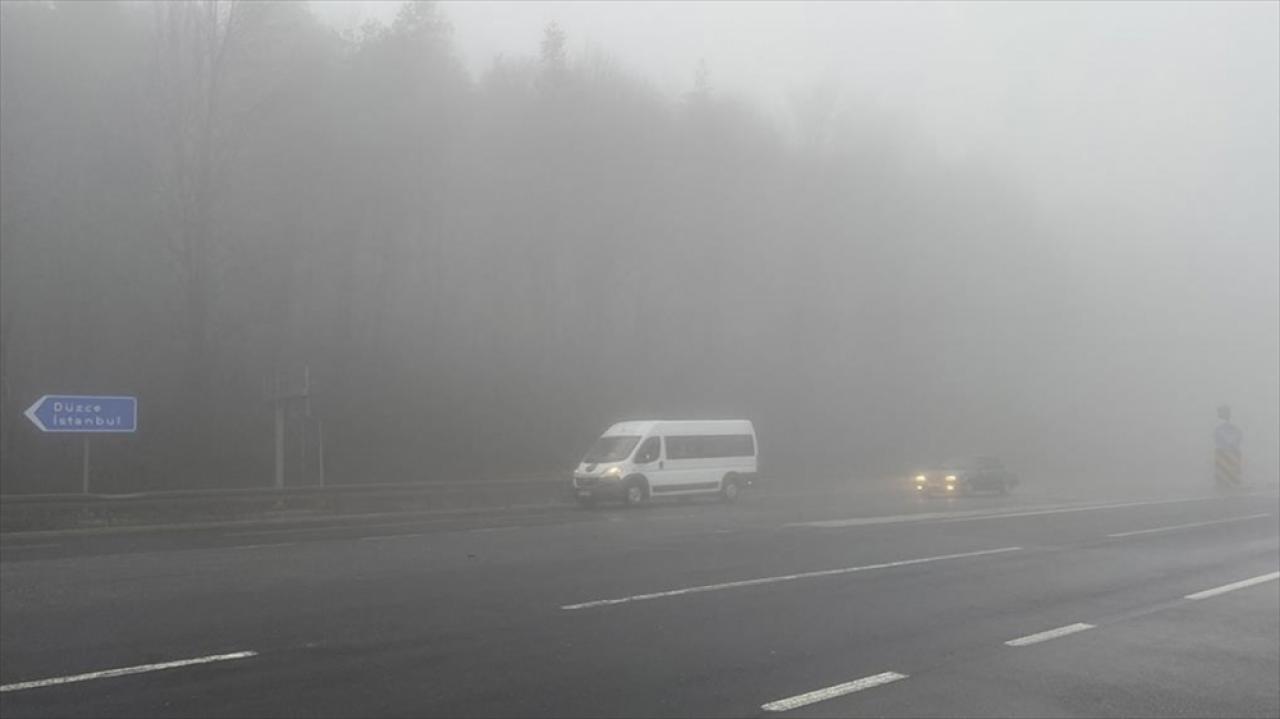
480	271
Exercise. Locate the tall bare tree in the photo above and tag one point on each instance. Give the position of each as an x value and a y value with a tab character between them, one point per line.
193	42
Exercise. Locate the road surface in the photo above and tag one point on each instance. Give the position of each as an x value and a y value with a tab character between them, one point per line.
791	606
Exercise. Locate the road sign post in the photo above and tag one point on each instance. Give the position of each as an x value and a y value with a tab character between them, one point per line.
84	475
287	396
279	483
84	415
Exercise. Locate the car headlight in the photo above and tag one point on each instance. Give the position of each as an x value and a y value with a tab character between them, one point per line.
951	487
920	478
951	478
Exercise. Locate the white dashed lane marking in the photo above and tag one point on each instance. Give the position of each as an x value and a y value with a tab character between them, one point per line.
839	690
1046	636
125	671
1260	579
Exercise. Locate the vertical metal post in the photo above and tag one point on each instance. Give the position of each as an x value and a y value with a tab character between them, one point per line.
305	453
320	443
84	478
279	444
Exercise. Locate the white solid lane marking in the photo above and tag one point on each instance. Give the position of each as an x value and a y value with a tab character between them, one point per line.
1046	636
325	528
1088	508
380	537
30	546
783	578
357	525
1188	526
1234	586
675	517
262	546
897	518
140	669
981	514
838	690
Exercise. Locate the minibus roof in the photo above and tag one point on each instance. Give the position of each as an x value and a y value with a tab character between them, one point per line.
681	427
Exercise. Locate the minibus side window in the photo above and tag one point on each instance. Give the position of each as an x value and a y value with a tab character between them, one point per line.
712	446
649	451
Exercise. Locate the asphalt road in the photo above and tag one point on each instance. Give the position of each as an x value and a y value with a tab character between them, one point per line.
822	605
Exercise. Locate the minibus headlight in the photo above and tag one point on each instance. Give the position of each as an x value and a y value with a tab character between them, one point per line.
613	472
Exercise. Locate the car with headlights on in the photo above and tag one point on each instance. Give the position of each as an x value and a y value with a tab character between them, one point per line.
971	475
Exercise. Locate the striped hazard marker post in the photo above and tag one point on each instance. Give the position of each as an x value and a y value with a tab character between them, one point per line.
1226	454
1226	467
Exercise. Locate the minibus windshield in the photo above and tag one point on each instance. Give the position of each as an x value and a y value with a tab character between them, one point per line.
611	449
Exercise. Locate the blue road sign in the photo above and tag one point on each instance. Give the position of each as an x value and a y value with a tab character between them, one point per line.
84	413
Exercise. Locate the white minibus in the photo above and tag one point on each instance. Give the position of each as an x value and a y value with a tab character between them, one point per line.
642	460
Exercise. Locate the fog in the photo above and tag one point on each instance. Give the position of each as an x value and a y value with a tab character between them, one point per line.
886	233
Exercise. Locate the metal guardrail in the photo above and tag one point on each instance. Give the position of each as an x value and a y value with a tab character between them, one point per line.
28	512
35	512
305	491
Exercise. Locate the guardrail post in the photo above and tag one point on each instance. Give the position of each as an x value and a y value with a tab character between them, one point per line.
279	444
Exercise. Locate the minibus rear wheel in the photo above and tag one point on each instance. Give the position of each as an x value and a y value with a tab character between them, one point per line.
730	488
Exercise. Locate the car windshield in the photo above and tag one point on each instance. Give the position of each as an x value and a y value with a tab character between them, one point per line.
611	449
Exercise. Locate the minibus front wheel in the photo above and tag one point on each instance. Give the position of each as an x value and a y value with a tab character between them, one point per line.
634	492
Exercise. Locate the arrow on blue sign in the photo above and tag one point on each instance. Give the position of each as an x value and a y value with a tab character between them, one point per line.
84	413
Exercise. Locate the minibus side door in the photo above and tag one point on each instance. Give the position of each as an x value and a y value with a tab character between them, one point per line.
649	461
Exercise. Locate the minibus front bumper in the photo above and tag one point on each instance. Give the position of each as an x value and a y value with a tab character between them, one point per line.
596	487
